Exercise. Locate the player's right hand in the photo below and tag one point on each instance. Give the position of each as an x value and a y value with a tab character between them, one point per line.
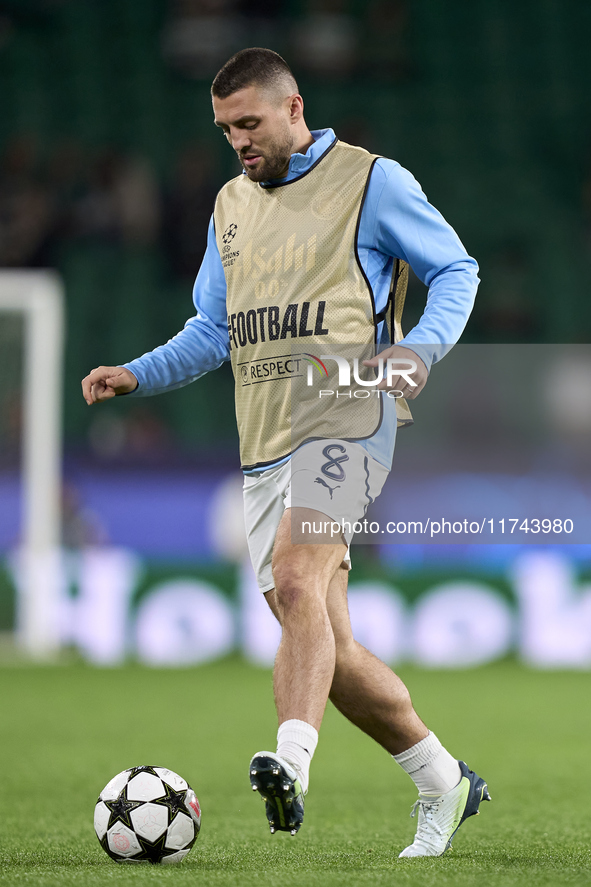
106	382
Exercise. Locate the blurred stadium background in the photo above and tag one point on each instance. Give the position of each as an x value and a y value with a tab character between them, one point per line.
109	166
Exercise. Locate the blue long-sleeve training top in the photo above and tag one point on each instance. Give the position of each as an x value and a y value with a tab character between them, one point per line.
397	222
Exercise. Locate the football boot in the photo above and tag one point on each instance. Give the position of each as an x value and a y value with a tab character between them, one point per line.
277	783
440	816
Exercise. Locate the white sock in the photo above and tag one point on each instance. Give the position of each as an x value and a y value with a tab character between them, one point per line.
296	743
430	766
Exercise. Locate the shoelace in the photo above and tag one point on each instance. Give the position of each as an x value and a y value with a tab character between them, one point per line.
428	807
426	826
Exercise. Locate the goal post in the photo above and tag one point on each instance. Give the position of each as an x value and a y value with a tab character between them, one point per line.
39	297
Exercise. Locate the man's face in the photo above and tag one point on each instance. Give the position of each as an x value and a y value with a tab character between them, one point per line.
259	131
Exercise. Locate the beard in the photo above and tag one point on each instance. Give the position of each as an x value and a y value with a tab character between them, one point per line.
274	160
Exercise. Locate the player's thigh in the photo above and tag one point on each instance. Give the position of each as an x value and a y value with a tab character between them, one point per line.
299	568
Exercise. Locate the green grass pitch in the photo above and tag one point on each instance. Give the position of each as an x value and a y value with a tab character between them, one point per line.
66	730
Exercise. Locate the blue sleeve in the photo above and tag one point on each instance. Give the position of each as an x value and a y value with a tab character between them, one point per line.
408	227
202	345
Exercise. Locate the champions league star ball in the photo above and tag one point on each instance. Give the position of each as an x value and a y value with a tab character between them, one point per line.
147	814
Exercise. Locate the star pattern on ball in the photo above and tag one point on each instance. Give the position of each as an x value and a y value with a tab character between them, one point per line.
153	851
174	800
120	809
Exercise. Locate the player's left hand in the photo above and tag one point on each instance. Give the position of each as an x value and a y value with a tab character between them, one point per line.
409	374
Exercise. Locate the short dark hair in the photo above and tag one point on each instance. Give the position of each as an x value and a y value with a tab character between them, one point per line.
253	67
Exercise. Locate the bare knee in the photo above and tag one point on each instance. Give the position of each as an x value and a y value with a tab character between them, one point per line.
302	573
291	591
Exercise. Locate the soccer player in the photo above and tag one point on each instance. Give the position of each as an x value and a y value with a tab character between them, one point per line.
308	249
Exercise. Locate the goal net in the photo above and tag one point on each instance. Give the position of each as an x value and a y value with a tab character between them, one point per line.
31	358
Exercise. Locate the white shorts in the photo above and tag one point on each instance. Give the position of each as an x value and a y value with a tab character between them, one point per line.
335	477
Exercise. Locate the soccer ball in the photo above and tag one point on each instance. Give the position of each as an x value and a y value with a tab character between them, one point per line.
147	814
